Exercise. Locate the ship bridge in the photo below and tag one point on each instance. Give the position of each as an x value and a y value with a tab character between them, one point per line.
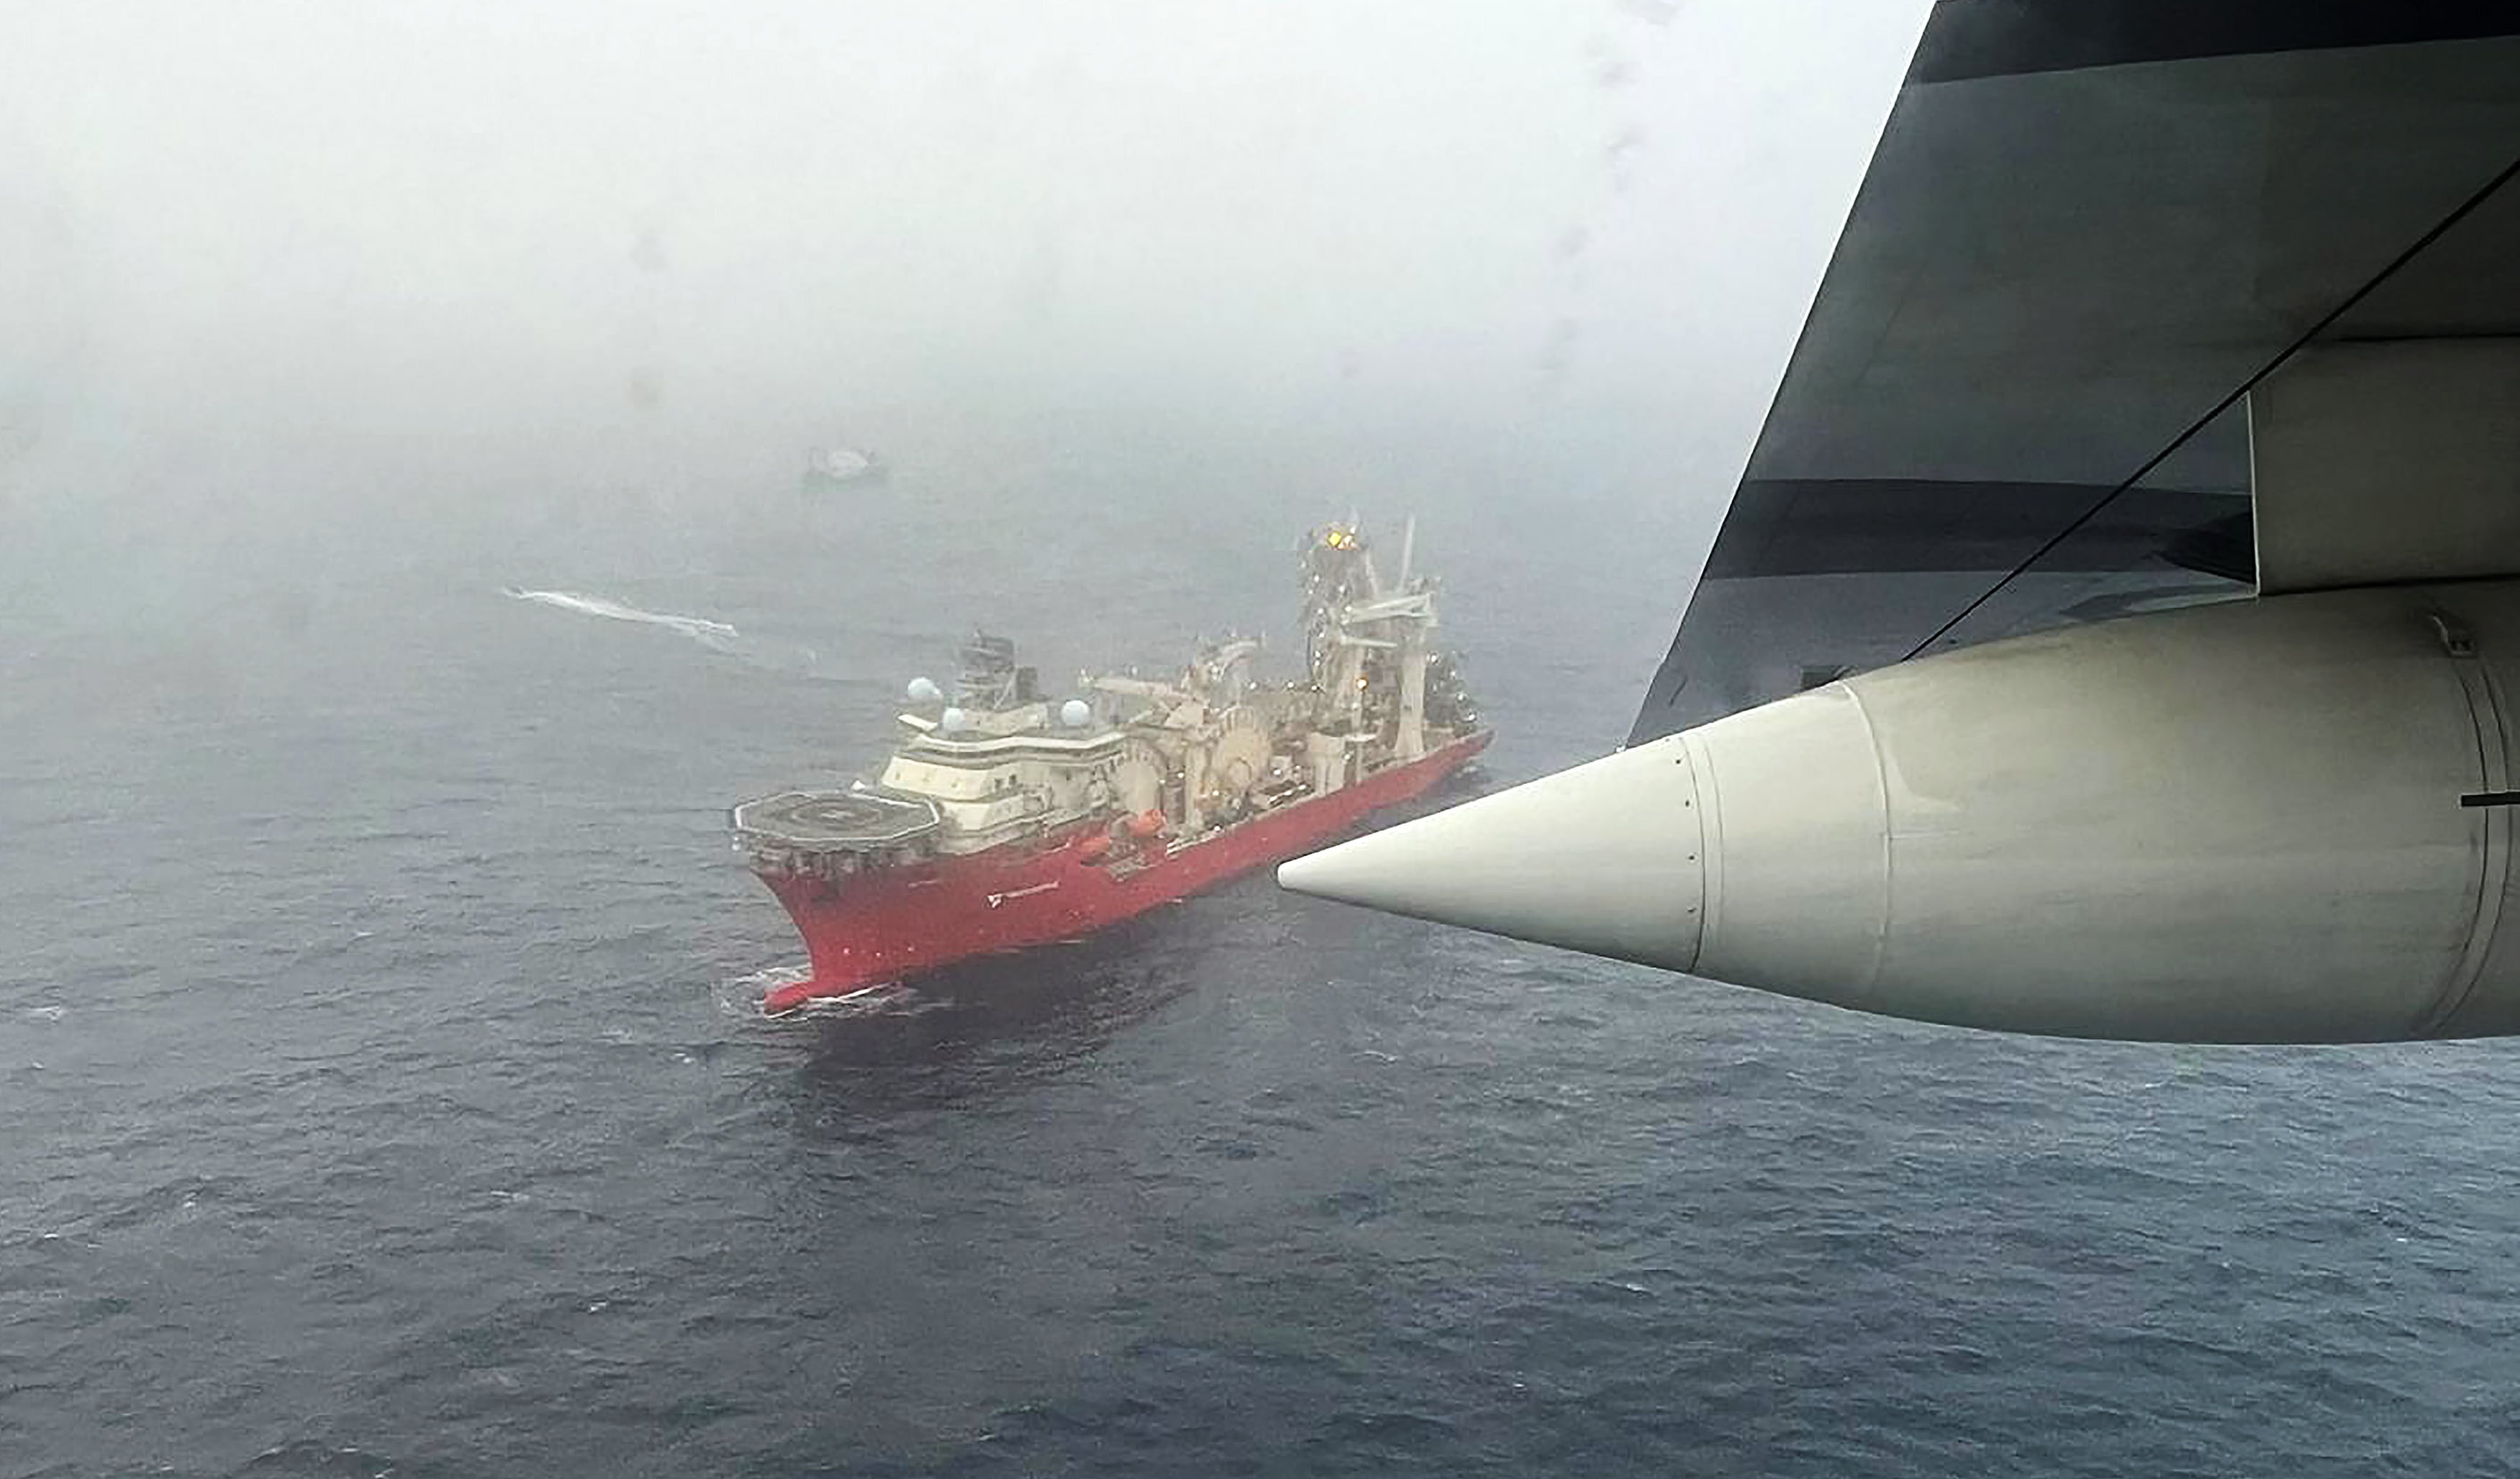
990	787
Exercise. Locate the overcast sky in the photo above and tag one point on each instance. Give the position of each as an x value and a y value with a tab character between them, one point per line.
247	220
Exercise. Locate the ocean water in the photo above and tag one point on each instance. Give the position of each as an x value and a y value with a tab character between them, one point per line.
381	1094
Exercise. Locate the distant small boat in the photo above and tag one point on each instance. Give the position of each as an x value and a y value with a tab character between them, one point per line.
829	467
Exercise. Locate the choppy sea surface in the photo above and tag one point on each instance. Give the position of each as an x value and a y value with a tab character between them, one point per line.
382	1095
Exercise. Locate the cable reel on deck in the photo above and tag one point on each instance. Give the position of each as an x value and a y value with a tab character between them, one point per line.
1138	778
1238	758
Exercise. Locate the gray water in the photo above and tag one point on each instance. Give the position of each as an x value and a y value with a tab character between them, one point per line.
382	1097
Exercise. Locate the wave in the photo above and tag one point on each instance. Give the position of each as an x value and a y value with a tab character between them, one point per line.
743	997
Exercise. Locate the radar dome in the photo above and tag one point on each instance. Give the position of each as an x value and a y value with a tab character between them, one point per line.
924	691
953	719
1074	712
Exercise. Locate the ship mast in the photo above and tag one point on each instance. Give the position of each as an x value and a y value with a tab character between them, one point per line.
1353	615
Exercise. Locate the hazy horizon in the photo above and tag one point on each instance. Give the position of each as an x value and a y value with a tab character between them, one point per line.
292	256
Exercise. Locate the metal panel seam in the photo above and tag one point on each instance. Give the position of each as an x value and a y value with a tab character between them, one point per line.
1710	843
1881	790
2493	854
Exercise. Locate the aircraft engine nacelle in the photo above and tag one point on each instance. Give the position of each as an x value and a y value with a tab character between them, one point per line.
2279	820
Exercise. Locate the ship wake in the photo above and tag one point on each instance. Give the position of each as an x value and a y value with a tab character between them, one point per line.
698	628
716	636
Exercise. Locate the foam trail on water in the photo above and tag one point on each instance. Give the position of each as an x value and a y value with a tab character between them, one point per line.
767	653
699	628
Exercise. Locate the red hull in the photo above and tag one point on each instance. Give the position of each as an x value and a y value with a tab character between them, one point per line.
886	925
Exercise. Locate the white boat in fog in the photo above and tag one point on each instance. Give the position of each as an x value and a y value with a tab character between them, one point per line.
829	467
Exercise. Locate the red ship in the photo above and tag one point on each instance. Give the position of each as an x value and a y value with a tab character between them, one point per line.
1006	820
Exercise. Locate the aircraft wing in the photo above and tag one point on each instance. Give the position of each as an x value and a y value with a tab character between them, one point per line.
2088	229
2143	303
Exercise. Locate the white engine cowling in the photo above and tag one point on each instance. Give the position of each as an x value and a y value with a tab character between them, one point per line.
2270	821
